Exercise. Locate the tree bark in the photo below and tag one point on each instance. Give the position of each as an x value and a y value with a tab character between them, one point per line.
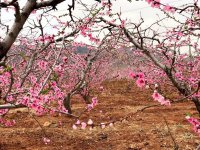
67	103
197	104
20	20
86	99
16	28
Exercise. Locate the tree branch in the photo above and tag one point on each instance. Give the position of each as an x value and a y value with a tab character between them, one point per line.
52	3
16	28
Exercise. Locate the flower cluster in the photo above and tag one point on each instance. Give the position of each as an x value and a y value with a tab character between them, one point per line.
46	38
46	140
195	123
154	3
157	4
93	104
140	82
90	123
7	123
158	97
82	125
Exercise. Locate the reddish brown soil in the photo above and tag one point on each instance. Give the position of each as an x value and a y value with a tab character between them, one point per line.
145	130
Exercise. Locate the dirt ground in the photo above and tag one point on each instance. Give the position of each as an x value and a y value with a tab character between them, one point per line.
155	128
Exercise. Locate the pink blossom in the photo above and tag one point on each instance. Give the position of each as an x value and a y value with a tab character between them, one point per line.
42	64
87	19
83	33
54	84
180	34
140	82
33	12
103	125
52	112
90	122
140	75
101	88
155	4
46	140
111	124
156	85
78	122
195	123
10	98
166	102
65	59
90	107
122	23
74	127
94	101
149	1
158	97
60	123
169	9
25	101
83	125
9	123
132	75
33	79
93	104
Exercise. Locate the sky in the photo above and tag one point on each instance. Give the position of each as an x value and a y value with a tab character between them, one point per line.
132	11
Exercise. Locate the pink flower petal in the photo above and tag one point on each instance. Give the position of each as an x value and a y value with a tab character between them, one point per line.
78	122
83	125
74	127
90	122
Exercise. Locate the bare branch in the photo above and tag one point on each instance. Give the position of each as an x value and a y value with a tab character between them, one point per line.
176	147
16	28
52	3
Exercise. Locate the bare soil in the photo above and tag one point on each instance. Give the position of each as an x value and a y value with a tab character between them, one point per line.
155	128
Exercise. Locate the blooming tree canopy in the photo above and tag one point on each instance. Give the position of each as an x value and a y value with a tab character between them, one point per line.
42	71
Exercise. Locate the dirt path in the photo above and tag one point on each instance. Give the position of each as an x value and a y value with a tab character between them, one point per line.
119	101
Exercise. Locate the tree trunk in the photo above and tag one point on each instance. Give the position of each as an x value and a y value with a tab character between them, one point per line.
86	98
67	103
197	104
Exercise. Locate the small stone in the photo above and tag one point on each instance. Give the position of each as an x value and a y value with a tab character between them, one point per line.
102	136
47	124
